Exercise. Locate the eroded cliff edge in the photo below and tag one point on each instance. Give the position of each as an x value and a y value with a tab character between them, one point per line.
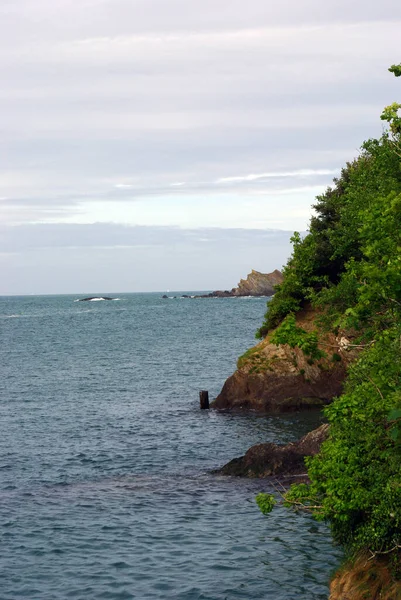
275	378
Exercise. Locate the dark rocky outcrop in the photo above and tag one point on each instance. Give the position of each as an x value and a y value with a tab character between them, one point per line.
265	460
274	378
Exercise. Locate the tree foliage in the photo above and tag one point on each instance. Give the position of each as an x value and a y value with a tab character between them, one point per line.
349	265
356	478
321	258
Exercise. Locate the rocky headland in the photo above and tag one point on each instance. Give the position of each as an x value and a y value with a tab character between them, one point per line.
273	378
256	284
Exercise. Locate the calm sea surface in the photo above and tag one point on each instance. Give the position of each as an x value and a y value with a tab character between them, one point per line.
105	489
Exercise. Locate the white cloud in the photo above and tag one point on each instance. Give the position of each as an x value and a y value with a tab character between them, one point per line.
279	174
161	113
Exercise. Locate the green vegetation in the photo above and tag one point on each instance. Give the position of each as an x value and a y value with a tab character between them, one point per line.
355	480
265	502
296	337
349	267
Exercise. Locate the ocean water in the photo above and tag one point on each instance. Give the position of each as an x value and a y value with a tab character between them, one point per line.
105	457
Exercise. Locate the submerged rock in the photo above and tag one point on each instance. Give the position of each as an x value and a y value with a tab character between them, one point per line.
264	460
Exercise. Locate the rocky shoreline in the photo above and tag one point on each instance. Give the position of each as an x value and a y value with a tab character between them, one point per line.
273	379
267	460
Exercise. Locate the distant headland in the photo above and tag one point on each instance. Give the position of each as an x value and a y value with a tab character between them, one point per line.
256	284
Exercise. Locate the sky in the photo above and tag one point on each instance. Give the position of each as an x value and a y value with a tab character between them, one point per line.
152	145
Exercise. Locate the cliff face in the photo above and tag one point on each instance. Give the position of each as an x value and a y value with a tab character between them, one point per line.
278	378
258	284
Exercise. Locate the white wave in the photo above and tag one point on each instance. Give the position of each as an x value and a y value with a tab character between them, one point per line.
98	299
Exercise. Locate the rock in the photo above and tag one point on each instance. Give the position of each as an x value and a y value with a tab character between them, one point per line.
264	460
279	378
94	298
220	294
165	296
256	284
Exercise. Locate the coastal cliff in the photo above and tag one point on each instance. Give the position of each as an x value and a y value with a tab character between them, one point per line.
256	284
275	378
348	268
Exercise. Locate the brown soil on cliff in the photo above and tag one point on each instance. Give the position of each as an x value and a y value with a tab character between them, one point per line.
365	579
278	378
265	460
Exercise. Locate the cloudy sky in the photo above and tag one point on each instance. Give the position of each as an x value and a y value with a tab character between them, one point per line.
177	144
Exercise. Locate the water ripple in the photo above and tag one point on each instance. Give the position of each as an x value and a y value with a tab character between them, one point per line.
105	489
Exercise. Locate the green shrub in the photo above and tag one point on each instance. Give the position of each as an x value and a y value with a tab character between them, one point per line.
266	502
296	337
356	478
349	266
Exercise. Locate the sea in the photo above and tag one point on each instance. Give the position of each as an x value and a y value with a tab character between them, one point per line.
106	461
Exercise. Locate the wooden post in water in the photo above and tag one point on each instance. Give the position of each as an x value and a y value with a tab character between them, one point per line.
204	399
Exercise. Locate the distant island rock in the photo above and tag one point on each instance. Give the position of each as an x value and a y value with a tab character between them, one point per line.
256	284
91	298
